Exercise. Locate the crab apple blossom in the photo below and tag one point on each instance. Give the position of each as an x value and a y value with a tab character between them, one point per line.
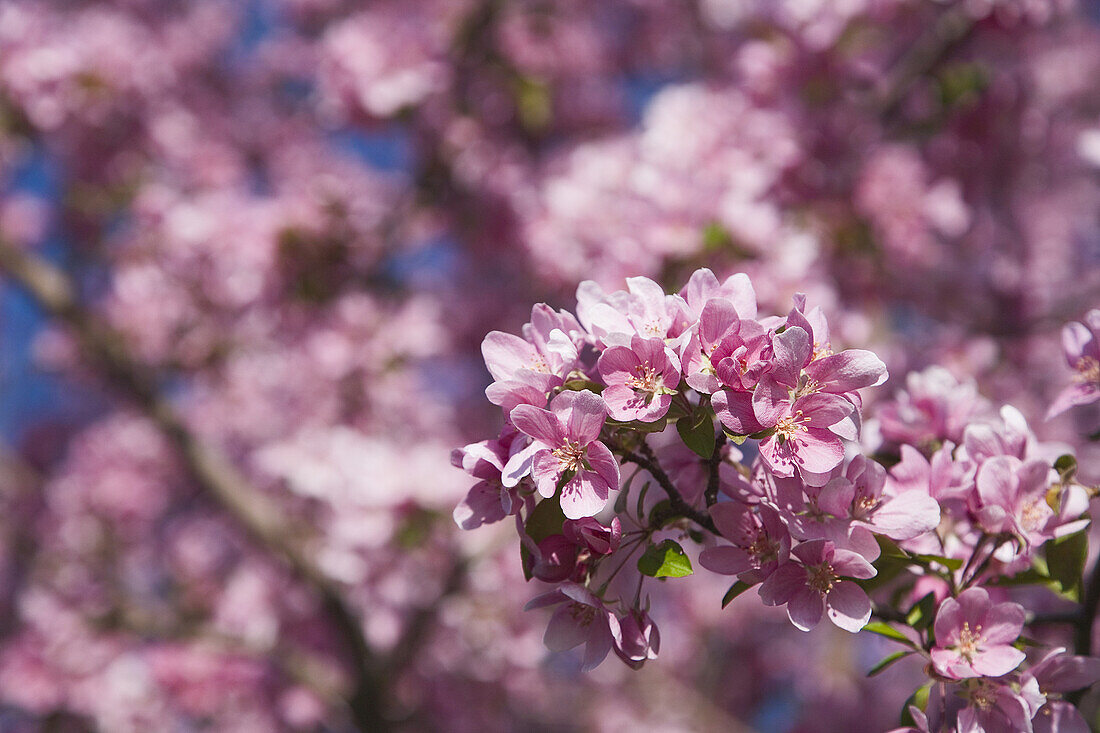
812	584
974	636
640	379
566	449
1081	345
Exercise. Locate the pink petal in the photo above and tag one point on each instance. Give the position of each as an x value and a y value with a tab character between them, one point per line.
847	371
817	450
616	364
997	660
542	425
735	411
719	316
1003	623
806	608
725	560
604	464
770	402
563	632
783	584
582	414
546	470
792	351
948	622
584	496
482	505
505	353
907	515
849	607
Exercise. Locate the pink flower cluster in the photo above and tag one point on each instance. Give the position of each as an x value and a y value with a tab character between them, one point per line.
619	441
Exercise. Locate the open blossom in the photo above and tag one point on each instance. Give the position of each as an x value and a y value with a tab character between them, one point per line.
640	379
801	439
1057	673
581	618
566	448
1013	498
1081	343
813	585
974	636
760	542
859	497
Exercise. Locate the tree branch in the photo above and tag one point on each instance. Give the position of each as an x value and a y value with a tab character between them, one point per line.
649	462
260	517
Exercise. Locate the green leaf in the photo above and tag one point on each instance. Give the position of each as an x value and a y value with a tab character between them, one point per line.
579	385
697	432
1066	560
637	426
951	563
735	439
735	590
884	629
666	560
922	613
919	700
546	519
1066	466
661	514
888	661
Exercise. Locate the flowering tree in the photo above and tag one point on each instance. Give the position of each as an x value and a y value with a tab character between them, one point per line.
249	250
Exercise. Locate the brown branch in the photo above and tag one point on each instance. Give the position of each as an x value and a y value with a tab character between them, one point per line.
261	518
648	461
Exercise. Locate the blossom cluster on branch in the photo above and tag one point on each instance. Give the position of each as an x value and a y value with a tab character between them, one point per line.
651	419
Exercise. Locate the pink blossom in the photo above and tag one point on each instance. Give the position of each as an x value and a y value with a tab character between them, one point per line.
1081	344
582	619
637	639
641	379
566	447
974	636
801	439
812	584
761	542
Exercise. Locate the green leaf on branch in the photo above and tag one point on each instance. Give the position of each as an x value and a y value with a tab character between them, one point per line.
666	560
735	590
546	519
922	613
951	563
1065	558
884	629
697	432
661	514
919	700
735	438
882	665
1066	466
637	426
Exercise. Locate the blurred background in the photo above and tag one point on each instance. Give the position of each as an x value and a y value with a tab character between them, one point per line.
249	249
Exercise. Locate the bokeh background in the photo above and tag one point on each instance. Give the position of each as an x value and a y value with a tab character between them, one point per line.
249	248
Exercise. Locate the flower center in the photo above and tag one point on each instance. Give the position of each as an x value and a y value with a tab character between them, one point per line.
968	640
647	379
763	549
582	614
864	505
788	426
1034	514
571	454
1088	370
821	577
